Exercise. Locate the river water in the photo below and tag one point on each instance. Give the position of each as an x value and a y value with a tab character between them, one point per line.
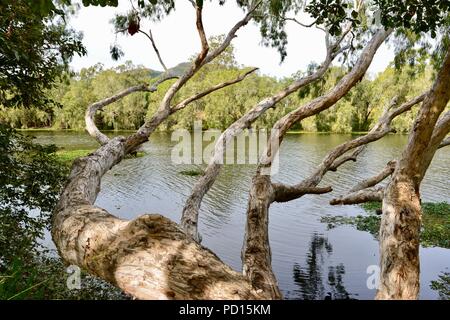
310	261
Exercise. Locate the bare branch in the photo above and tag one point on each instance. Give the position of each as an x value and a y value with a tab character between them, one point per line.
332	161
300	23
93	108
231	34
361	196
189	219
374	180
201	33
155	48
350	157
381	128
219	86
284	193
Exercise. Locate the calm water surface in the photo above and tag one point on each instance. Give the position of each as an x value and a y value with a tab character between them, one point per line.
310	261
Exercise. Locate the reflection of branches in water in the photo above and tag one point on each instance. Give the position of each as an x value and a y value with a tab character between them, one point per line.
310	279
442	286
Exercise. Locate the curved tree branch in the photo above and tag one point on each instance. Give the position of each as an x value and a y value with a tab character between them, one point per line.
336	157
231	34
149	35
93	108
185	102
374	180
149	257
189	219
361	196
285	193
350	157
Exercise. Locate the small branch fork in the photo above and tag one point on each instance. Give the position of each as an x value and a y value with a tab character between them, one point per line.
367	189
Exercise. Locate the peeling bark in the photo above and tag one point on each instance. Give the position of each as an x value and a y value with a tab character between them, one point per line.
256	249
256	253
401	219
399	241
149	257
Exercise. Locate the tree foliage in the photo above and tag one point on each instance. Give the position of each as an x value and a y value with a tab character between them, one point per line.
354	113
36	46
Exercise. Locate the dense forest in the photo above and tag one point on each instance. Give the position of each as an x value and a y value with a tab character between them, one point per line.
356	112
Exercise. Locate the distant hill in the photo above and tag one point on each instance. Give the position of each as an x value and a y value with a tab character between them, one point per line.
178	70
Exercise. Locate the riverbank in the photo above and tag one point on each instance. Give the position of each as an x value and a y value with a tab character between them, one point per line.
435	222
68	156
113	131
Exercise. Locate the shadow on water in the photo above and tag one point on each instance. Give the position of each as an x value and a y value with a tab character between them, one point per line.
315	284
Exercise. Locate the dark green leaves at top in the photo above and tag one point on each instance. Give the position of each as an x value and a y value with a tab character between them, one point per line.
36	46
103	3
418	15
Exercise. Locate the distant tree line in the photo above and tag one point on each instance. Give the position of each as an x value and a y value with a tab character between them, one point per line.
355	113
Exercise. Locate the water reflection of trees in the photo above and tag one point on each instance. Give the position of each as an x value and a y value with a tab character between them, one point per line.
311	278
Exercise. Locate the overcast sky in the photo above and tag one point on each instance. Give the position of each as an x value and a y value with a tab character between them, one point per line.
177	40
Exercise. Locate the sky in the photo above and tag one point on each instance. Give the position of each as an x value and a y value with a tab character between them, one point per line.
177	40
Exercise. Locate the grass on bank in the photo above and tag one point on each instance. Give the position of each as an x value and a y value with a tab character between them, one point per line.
435	222
68	156
192	172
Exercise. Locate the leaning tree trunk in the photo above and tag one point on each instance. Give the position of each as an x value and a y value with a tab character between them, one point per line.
399	241
401	220
149	257
256	249
256	254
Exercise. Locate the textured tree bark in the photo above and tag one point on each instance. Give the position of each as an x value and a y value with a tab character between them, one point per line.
401	219
256	254
256	249
399	241
149	257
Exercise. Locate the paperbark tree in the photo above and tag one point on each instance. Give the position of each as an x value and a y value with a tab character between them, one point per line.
149	257
152	257
401	203
256	250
